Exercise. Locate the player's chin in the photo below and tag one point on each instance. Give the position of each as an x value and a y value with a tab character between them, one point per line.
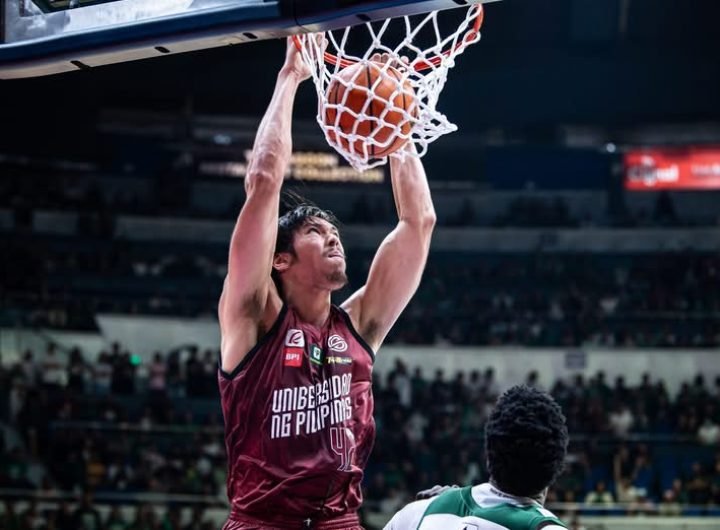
337	279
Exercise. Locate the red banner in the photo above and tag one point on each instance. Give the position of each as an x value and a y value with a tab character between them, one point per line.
690	168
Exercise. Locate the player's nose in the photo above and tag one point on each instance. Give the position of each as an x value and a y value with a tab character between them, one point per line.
333	240
334	243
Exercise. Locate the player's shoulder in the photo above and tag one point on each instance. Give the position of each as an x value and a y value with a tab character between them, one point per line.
415	513
410	516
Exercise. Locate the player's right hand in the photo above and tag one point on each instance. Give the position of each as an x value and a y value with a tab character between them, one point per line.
434	491
294	60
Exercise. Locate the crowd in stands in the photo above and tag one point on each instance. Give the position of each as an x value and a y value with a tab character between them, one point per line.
25	191
657	300
117	424
640	300
650	300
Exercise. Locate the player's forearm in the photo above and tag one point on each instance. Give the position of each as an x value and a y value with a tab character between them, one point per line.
412	193
270	157
273	142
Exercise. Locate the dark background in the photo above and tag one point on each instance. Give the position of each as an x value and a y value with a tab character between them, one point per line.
613	66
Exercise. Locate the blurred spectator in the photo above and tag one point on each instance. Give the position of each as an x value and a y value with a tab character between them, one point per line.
29	368
157	377
64	518
102	373
76	371
698	485
621	420
709	432
643	473
115	520
196	519
574	522
145	518
402	384
626	492
32	518
52	371
193	374
600	495
209	373
672	500
9	519
86	516
622	466
123	374
715	484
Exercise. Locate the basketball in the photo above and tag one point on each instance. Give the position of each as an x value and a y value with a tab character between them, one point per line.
383	123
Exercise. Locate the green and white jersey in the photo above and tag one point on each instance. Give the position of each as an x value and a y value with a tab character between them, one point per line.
481	507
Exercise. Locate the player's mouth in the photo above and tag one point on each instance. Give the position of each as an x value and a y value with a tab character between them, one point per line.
336	254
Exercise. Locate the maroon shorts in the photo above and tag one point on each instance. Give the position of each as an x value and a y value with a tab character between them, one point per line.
243	522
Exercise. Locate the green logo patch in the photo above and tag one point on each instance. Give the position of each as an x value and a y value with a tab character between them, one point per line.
316	354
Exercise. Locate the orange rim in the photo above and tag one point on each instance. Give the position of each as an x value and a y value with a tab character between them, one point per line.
420	66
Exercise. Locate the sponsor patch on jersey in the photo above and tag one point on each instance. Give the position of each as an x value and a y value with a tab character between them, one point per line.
337	343
338	360
293	357
295	338
316	354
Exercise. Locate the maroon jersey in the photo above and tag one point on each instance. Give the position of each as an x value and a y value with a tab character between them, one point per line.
299	421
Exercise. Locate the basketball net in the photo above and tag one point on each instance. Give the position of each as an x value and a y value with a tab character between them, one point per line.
423	69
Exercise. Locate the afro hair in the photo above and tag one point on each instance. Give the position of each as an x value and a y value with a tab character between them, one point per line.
526	441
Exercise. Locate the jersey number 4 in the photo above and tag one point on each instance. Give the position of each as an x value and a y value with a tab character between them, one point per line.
342	441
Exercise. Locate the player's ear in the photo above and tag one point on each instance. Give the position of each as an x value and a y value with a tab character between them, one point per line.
282	261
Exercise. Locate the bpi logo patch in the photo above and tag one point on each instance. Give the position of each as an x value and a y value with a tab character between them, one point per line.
293	357
337	343
295	338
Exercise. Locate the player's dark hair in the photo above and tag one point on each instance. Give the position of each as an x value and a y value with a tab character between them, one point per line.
526	441
297	211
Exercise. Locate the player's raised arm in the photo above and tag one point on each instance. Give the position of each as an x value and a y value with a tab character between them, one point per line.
399	262
249	302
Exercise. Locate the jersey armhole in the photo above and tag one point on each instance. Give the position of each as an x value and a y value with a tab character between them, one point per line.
358	337
264	339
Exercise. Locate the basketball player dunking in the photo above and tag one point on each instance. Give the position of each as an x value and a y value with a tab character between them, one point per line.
295	374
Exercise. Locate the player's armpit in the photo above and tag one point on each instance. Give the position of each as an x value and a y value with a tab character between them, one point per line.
394	277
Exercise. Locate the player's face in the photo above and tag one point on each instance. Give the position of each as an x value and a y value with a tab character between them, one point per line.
319	254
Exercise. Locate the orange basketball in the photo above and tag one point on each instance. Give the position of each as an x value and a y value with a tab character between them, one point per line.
381	85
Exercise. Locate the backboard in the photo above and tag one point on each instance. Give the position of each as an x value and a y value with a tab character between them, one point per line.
41	37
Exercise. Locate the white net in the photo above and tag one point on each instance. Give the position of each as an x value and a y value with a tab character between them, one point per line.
378	83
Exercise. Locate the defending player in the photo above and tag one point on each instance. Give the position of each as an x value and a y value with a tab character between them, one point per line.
295	374
525	442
